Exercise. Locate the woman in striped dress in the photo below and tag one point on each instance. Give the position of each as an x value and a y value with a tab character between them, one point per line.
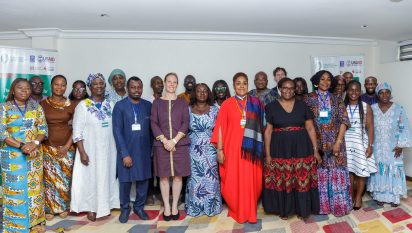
359	141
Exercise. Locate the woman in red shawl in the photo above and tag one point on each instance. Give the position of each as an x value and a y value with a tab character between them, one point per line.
238	138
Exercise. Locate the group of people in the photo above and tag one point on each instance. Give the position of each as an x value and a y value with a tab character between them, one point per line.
302	153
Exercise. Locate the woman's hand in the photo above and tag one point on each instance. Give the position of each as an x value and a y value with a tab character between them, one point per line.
398	151
28	148
84	158
336	149
220	157
268	159
62	151
369	151
169	145
317	157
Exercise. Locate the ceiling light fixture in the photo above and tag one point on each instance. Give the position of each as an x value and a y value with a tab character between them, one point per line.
396	0
104	15
364	26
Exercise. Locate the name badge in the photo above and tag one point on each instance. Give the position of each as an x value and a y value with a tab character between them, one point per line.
105	124
243	123
323	113
136	127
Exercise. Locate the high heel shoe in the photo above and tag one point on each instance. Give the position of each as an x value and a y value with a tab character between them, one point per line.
167	218
175	216
357	207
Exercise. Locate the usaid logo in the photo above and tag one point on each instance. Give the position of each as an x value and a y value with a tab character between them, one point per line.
41	59
32	58
342	63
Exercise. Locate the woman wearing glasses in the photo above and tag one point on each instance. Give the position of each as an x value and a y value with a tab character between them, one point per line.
220	92
79	91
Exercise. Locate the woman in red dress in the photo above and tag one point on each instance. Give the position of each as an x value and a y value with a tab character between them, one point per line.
238	138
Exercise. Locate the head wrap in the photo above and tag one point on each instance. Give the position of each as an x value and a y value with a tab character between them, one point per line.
383	86
116	72
93	77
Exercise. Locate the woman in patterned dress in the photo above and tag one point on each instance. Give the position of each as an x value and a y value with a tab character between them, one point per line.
58	149
22	128
359	141
331	121
392	134
203	186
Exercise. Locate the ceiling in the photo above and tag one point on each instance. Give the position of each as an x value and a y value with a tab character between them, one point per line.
385	19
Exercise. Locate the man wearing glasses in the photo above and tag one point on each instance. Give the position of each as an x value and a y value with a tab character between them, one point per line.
37	86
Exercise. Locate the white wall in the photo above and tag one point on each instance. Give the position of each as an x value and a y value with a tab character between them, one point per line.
206	60
399	75
23	43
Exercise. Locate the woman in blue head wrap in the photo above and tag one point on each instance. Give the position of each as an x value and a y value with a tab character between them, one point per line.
95	188
117	80
392	134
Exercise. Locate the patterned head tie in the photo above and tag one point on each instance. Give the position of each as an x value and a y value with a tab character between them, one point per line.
383	86
92	77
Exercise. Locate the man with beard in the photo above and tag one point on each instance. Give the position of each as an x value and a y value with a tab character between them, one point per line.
370	96
262	91
189	84
132	133
37	87
156	83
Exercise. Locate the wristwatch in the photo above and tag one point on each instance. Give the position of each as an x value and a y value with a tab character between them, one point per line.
36	142
21	145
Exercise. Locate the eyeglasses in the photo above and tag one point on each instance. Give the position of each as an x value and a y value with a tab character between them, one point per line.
79	90
220	89
40	84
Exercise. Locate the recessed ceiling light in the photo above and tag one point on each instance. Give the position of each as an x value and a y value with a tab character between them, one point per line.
104	15
396	0
364	26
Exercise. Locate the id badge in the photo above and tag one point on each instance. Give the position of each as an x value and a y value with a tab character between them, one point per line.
243	123
136	127
105	124
324	113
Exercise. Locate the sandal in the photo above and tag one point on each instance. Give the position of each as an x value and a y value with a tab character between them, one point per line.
39	228
49	217
64	214
91	216
394	205
284	218
380	203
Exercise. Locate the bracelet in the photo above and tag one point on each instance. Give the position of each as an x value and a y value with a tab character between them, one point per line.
371	144
339	141
315	148
219	149
174	141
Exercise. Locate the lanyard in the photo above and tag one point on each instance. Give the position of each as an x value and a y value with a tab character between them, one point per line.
352	113
135	110
242	109
323	98
21	112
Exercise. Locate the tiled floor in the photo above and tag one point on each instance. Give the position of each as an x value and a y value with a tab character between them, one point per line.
371	219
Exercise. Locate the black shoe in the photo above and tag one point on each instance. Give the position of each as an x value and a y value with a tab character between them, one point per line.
175	216
124	216
142	214
166	218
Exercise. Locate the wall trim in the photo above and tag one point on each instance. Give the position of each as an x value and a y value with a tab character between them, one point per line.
183	35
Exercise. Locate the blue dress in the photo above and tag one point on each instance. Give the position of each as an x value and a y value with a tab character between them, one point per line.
391	130
203	186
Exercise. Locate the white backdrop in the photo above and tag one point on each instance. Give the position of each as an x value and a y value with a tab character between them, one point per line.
206	60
